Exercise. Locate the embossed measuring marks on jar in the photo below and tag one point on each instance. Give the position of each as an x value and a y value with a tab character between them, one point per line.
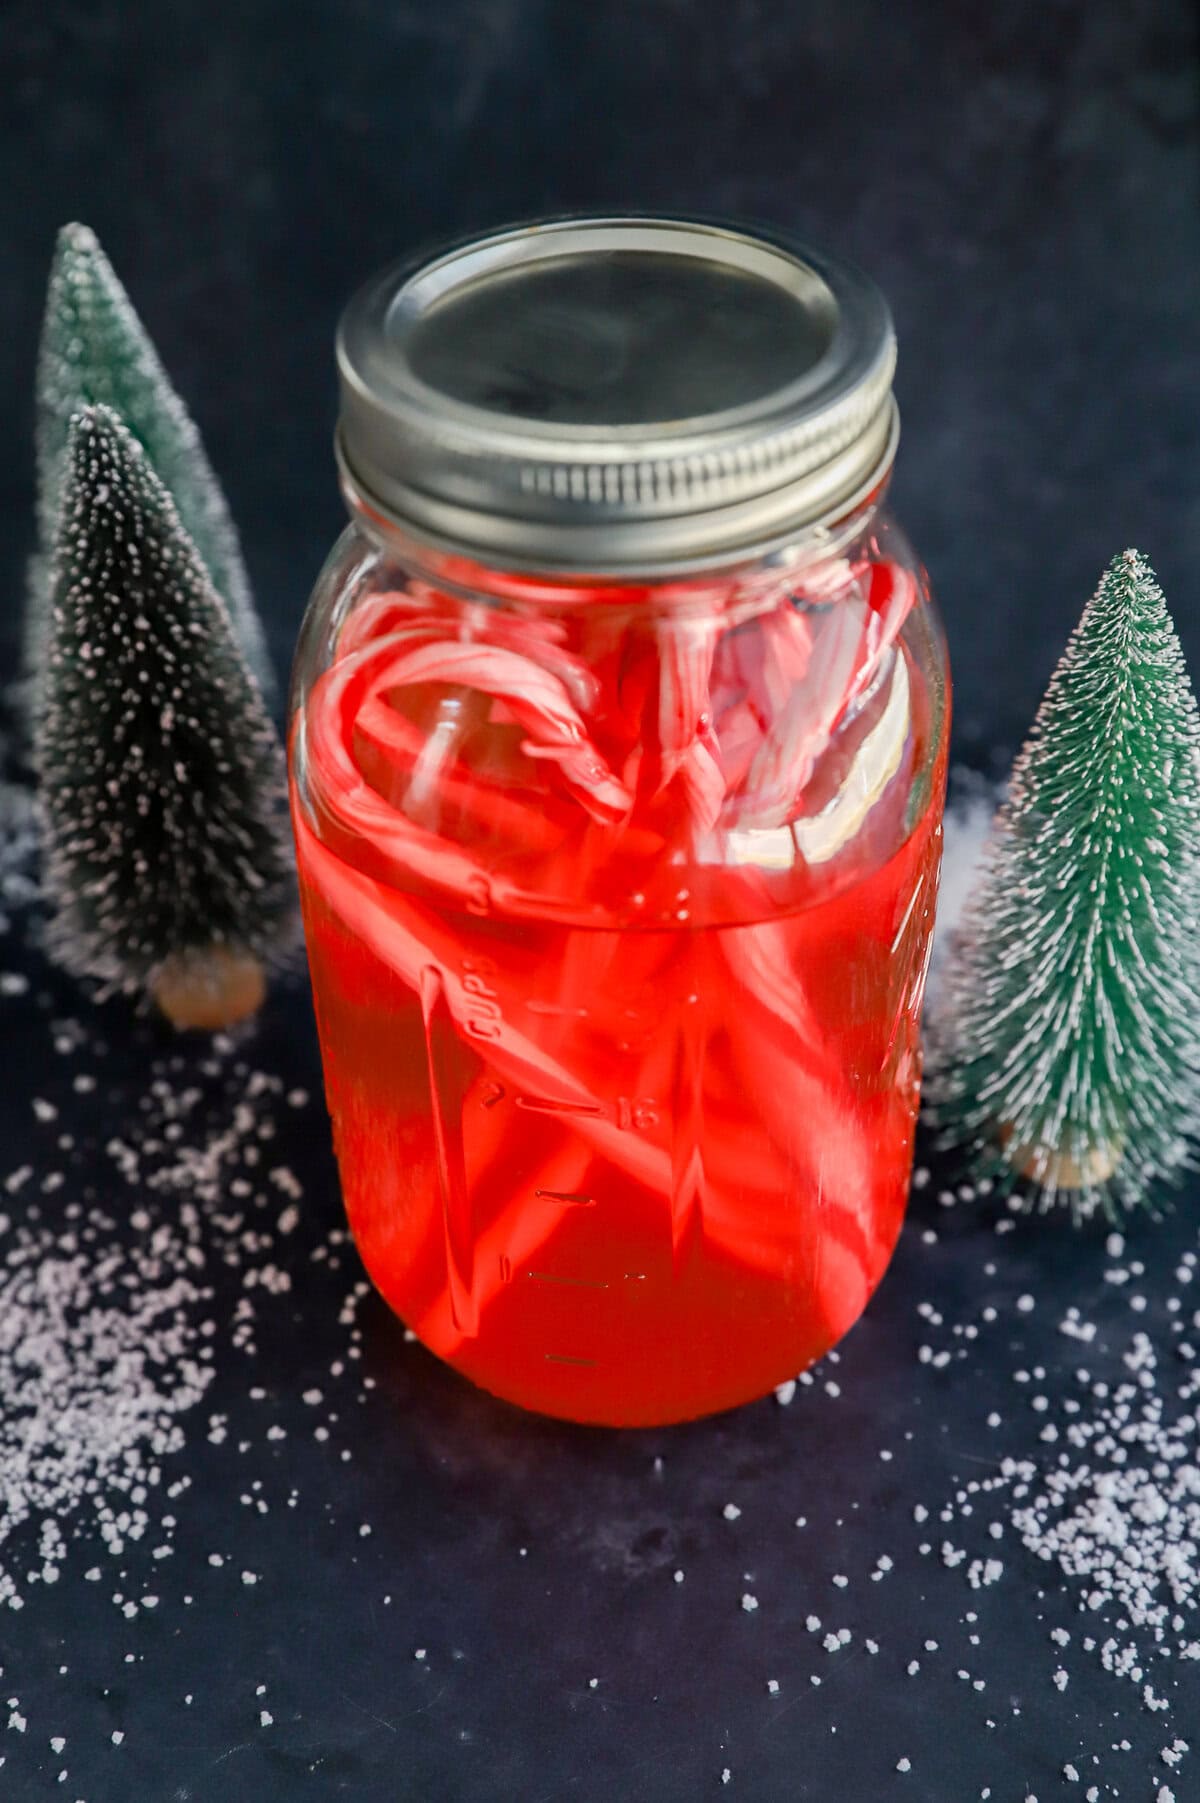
484	1020
518	1054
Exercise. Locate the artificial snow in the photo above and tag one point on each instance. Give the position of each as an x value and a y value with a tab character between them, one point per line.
970	811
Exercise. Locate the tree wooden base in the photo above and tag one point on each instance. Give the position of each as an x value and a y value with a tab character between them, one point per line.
1059	1170
207	990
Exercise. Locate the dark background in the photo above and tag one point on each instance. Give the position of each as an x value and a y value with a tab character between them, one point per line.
1022	179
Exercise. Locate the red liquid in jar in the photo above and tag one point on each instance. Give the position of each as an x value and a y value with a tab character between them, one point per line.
633	1155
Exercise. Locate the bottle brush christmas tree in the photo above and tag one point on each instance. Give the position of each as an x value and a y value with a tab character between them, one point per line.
166	858
1068	1044
95	350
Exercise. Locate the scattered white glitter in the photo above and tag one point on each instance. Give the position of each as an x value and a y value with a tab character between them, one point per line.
1127	1529
108	1339
1101	1485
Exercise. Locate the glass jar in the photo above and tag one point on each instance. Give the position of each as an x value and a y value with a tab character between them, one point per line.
618	748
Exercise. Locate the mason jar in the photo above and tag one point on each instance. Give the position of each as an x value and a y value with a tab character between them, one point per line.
618	748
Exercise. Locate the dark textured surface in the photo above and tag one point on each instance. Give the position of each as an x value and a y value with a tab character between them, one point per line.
526	1557
1023	182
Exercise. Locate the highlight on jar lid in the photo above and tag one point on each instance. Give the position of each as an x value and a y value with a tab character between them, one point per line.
616	393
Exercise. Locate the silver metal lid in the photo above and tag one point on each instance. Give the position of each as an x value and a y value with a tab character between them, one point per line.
616	394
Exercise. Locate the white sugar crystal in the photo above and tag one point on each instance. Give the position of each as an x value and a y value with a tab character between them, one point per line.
118	1334
1116	1513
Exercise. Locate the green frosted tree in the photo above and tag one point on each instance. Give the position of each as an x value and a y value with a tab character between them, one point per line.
1068	1041
95	351
166	859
